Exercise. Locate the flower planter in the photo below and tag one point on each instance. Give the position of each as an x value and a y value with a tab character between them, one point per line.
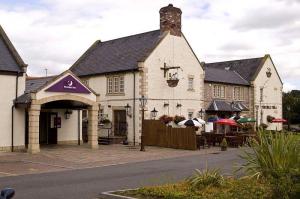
173	82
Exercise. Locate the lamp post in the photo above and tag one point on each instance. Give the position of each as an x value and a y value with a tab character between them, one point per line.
288	108
154	113
143	101
257	107
201	113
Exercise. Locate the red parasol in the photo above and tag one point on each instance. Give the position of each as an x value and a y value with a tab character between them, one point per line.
229	122
279	120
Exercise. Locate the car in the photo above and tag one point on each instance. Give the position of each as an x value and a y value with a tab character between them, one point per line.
7	193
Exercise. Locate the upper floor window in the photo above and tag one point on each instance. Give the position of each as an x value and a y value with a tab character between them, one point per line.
190	83
115	84
219	91
85	82
261	94
238	93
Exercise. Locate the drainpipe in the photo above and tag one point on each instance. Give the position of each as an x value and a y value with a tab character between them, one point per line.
133	118
78	113
12	114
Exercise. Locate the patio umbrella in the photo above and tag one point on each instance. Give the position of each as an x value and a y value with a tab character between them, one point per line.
213	119
201	121
278	120
236	117
228	122
246	120
189	123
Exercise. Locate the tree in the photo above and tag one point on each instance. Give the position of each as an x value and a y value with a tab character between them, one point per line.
291	107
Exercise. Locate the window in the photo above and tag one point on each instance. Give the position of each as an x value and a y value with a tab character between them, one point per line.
261	94
115	85
190	115
85	82
238	93
110	85
219	91
122	84
190	83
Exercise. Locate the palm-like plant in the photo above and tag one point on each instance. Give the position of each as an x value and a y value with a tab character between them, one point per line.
206	177
271	155
275	157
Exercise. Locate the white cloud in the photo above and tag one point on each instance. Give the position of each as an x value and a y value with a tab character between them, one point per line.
54	33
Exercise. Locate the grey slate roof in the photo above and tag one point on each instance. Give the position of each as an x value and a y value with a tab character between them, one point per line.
246	68
33	84
116	55
224	76
10	60
222	105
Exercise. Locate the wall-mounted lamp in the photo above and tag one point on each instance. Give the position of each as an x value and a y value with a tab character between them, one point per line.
178	105
128	110
68	114
166	104
154	113
201	112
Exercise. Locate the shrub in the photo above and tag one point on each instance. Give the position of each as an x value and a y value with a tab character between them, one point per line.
247	127
206	178
178	119
263	126
270	118
274	157
231	188
223	144
166	119
105	121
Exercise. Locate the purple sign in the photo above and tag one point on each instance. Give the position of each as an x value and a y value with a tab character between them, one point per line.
69	85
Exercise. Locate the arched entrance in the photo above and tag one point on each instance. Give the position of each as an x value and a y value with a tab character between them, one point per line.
61	93
57	102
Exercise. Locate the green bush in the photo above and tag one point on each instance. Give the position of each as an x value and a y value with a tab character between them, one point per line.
205	178
231	188
274	157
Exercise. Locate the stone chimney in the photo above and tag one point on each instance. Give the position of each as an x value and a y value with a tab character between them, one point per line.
170	20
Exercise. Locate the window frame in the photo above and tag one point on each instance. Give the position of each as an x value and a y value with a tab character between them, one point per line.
191	83
115	85
240	93
219	91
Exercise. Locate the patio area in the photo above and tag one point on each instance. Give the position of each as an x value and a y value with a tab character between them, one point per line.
68	157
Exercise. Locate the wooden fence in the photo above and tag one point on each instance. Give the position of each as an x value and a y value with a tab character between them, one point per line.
158	134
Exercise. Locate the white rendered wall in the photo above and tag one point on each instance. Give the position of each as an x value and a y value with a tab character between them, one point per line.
158	90
69	127
174	51
117	102
8	88
272	95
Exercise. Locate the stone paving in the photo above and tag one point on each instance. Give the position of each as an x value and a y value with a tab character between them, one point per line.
68	157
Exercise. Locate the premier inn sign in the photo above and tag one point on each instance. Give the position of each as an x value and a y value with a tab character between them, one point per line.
68	85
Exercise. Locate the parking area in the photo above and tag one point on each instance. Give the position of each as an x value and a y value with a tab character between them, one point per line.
69	157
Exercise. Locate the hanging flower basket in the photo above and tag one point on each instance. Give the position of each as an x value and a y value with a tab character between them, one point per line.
172	82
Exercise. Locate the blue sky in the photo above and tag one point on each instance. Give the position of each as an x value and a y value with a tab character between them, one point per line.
53	34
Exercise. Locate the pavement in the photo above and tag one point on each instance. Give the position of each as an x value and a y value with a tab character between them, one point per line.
69	157
90	182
